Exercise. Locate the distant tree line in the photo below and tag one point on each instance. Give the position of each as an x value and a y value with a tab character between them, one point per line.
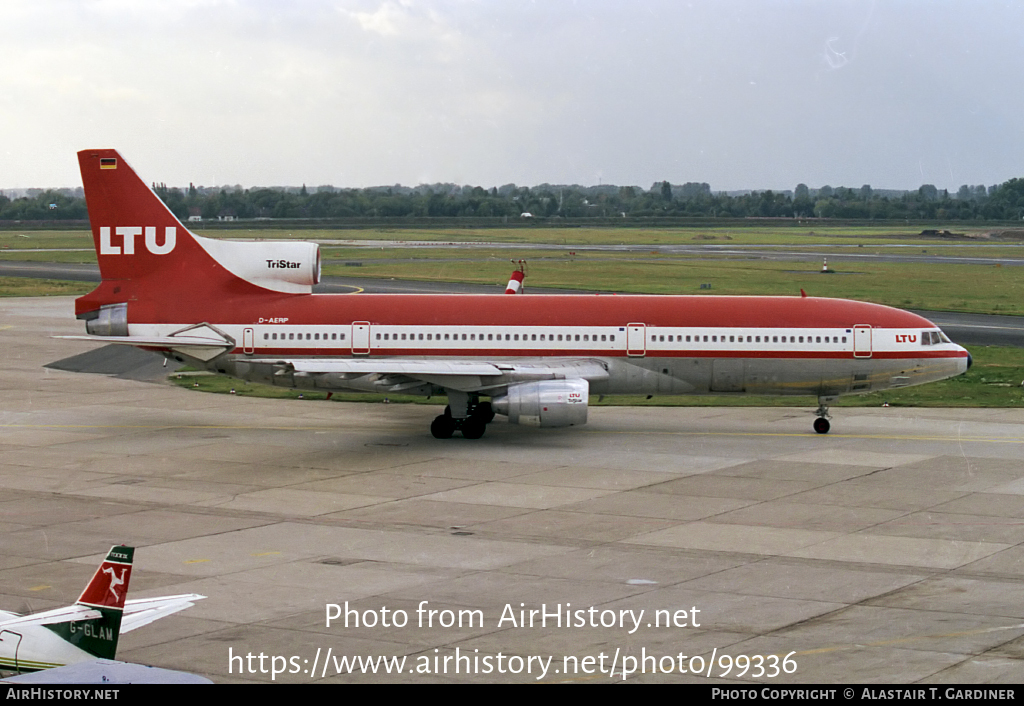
1003	202
44	205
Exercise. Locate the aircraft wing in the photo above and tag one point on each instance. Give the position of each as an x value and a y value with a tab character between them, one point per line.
466	375
392	366
49	617
143	611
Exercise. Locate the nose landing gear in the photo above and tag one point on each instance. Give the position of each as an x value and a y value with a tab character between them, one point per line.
821	424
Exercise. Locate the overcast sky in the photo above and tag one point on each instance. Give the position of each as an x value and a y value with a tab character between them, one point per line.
736	93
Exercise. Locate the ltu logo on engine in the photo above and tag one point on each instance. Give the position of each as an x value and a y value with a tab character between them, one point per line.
128	234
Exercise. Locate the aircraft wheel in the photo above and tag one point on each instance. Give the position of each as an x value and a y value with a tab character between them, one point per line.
821	425
485	412
442	427
474	428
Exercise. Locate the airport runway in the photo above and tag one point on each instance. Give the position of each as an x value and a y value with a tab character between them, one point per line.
965	329
891	550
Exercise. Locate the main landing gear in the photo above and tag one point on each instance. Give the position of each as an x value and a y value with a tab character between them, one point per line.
477	415
821	424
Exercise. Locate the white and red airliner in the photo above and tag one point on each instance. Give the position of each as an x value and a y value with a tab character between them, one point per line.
246	309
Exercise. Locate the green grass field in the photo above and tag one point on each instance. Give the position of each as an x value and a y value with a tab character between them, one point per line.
754	232
983	289
989	289
25	239
25	287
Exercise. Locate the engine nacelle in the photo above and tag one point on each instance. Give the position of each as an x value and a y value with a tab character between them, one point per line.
280	265
548	403
108	320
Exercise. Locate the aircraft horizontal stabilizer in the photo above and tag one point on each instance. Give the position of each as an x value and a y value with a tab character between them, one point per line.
143	611
155	341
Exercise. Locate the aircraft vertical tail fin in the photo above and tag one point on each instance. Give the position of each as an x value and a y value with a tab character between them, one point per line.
141	246
133	231
147	255
104	594
109	584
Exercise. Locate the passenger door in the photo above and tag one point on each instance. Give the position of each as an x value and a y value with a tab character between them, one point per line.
360	338
862	341
636	340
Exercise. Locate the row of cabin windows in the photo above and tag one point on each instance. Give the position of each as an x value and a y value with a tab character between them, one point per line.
496	337
928	338
750	339
447	337
309	337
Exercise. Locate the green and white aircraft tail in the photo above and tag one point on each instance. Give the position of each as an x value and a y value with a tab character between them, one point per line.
90	628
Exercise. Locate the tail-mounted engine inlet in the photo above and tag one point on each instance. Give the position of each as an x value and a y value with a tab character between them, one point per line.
110	320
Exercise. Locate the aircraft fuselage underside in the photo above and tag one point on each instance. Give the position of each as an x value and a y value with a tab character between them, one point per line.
826	378
638	376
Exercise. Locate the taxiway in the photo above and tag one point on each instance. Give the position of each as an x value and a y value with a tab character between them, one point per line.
891	550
